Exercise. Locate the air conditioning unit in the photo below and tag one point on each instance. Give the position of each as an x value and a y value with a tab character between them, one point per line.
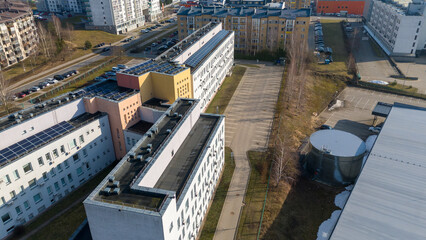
40	184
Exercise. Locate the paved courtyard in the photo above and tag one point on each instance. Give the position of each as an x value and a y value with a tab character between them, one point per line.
249	117
355	117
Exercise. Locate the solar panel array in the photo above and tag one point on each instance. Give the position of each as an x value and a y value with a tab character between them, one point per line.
199	55
34	141
108	90
153	66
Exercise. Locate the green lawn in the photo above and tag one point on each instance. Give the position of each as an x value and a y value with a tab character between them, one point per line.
224	95
213	215
255	195
64	226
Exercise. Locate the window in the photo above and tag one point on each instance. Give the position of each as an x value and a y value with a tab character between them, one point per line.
37	198
79	171
55	153
45	177
70	177
18	210
7	179
13	194
3	201
171	227
73	143
28	168
56	184
63	182
49	190
22	190
75	157
59	167
66	164
85	152
62	149
16	174
32	183
6	218
48	157
81	139
27	205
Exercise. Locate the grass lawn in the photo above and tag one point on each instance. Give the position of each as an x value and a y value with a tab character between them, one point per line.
255	196
226	91
65	225
405	88
333	37
213	215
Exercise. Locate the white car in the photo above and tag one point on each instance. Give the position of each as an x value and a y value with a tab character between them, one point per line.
34	89
52	81
374	129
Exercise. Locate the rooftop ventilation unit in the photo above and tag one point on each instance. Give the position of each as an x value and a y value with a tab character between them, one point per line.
106	191
115	184
111	179
168	131
149	145
140	158
116	191
149	134
132	155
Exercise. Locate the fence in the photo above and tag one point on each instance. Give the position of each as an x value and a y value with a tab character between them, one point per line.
71	82
387	89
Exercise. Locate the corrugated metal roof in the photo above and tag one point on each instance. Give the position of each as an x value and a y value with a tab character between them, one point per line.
389	198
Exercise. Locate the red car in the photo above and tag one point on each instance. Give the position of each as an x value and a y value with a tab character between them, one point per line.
21	95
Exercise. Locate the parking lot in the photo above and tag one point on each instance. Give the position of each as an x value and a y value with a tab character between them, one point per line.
355	115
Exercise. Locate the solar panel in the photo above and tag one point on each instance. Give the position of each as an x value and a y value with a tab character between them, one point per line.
198	56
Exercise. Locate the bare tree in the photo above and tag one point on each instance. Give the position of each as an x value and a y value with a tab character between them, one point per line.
58	26
284	166
44	38
69	29
5	93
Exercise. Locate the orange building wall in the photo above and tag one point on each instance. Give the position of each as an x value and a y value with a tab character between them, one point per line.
120	115
353	7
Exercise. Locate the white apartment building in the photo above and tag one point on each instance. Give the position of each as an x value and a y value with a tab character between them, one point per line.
162	188
18	34
121	16
59	6
398	27
44	158
210	57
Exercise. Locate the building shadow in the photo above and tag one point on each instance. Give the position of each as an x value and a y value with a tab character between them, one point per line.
356	128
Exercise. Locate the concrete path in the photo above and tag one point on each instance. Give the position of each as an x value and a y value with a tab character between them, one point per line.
249	117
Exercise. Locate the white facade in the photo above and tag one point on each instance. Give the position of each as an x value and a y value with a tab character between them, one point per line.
58	6
121	16
33	182
399	30
180	214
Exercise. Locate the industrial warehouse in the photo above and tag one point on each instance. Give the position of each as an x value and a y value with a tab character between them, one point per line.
144	118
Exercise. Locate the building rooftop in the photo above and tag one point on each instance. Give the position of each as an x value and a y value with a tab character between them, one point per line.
242	12
388	200
11	10
154	65
198	57
106	89
140	127
156	103
42	138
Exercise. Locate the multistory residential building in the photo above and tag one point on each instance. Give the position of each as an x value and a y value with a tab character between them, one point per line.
121	16
399	28
59	6
18	34
193	68
355	7
255	29
297	4
162	188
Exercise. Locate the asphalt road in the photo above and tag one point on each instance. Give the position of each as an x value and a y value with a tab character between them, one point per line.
249	118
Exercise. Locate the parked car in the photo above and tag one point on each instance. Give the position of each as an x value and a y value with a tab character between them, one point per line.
121	66
21	95
325	127
115	69
154	44
158	25
34	89
66	75
145	31
26	92
105	49
43	84
162	48
58	77
148	49
52	81
110	73
100	45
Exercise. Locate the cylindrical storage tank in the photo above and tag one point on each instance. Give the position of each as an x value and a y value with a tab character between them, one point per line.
335	157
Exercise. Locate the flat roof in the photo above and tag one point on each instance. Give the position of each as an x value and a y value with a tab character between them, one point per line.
382	109
140	127
44	137
183	162
195	59
106	89
156	103
338	143
153	65
131	168
388	200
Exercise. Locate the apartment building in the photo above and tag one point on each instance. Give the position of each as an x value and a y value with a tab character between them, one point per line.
194	68
355	7
59	6
121	16
399	28
162	188
255	29
17	32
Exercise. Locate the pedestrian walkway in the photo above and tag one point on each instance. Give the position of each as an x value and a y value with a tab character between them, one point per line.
249	117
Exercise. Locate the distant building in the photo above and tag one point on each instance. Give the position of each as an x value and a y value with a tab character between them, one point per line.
344	7
18	34
59	6
121	16
398	28
255	29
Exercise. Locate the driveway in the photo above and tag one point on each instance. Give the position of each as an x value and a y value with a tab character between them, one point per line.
249	117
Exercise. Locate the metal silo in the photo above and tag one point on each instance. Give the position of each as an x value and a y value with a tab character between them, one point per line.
335	157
